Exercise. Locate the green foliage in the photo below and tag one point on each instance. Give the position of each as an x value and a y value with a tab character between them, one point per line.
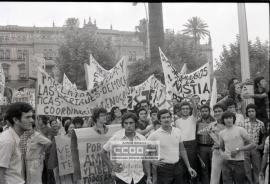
230	63
75	50
141	31
196	28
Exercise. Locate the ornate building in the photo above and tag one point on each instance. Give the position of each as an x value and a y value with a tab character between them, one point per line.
17	43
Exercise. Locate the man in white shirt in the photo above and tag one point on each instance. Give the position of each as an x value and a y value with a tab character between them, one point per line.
170	169
127	171
187	124
19	115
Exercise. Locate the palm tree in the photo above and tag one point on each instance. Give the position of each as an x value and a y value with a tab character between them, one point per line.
197	28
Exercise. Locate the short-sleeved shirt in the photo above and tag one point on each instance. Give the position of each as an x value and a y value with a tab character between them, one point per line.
187	127
10	156
169	144
234	137
253	128
132	169
203	138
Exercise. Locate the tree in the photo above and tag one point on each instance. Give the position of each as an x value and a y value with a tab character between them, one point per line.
72	23
141	32
75	50
196	27
229	65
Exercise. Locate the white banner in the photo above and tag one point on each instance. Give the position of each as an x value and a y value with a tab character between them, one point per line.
26	95
179	86
94	73
152	90
54	99
67	84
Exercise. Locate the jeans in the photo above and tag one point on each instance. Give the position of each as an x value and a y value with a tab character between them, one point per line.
233	171
253	158
171	173
217	161
205	153
191	148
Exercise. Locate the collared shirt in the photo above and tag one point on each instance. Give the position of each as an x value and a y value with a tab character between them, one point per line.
253	128
169	144
132	169
187	127
203	137
10	156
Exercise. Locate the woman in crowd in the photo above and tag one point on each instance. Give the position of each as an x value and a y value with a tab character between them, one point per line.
143	122
116	115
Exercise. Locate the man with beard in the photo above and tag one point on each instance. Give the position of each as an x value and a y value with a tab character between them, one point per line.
205	143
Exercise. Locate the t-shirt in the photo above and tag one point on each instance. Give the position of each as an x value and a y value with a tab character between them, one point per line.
169	144
234	137
187	127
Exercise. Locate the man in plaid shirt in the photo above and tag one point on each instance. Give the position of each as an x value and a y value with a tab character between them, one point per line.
254	128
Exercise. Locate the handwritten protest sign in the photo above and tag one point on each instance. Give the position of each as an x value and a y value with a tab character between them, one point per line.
26	95
35	61
67	84
95	73
54	99
64	156
86	145
180	85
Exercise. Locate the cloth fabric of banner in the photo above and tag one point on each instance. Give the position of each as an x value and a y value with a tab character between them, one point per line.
54	99
67	84
180	85
95	73
86	145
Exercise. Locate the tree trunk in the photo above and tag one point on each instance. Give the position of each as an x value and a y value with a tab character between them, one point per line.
156	34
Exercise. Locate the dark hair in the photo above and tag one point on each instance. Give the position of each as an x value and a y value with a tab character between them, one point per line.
176	108
77	120
67	125
251	106
112	112
186	103
232	93
154	110
163	111
204	106
230	102
226	115
131	115
141	109
97	112
51	120
44	119
144	101
257	80
15	110
231	82
64	119
156	122
220	105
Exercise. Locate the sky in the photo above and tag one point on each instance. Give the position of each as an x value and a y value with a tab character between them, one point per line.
220	17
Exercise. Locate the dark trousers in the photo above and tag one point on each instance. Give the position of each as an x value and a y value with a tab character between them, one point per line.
119	181
205	153
171	173
233	171
191	148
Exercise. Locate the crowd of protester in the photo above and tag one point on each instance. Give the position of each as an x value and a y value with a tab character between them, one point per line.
227	144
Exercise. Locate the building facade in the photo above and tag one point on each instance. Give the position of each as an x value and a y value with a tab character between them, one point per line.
17	43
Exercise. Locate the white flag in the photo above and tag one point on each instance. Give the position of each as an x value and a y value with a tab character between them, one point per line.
213	99
67	84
